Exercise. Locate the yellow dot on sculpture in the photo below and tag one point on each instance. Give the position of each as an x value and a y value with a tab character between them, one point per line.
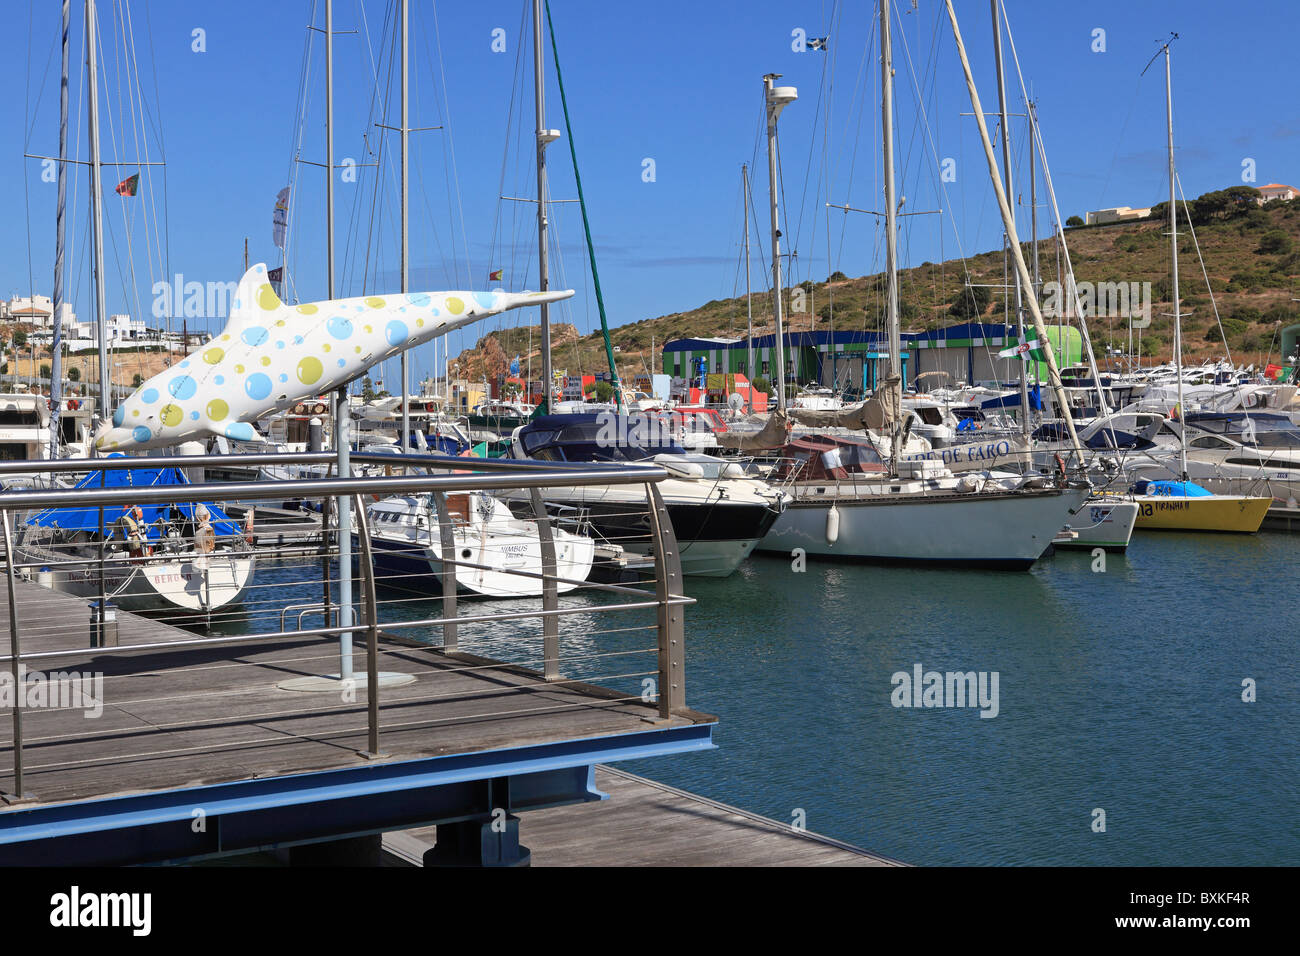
375	302
310	371
266	360
455	306
358	349
213	356
307	309
225	338
217	410
171	415
239	370
369	329
267	298
135	414
419	323
279	323
325	347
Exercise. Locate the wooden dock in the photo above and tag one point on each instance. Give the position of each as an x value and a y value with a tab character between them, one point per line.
646	823
1281	518
197	716
197	722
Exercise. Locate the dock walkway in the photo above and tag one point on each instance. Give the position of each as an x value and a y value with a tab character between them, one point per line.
209	725
646	823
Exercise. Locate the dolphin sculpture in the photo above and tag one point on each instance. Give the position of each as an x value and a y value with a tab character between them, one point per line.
271	356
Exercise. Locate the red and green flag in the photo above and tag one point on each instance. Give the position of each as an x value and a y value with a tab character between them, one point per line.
129	186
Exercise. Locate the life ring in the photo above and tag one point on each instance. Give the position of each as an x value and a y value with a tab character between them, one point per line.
248	525
73	404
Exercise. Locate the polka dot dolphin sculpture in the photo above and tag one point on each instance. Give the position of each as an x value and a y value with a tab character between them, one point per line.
271	356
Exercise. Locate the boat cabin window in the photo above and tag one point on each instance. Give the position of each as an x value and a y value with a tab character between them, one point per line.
1209	441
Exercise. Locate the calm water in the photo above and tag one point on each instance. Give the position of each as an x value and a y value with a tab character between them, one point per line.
1118	690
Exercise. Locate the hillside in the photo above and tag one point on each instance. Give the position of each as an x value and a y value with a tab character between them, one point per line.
1252	257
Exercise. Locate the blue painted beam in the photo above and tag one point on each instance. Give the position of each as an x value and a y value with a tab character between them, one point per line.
331	804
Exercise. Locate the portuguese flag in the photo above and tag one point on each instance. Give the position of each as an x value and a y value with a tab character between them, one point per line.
129	186
494	276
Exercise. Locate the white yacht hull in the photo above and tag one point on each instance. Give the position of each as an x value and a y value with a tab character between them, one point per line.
1102	524
1000	530
198	584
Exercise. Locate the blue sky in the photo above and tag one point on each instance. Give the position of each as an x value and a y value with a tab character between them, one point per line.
674	82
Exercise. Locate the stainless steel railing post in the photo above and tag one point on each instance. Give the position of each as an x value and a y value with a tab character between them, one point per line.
550	589
103	588
15	652
447	548
668	583
372	626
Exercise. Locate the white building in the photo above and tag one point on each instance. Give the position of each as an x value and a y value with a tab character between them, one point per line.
1277	191
1116	214
37	311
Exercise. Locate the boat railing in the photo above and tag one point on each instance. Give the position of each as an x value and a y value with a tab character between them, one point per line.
418	637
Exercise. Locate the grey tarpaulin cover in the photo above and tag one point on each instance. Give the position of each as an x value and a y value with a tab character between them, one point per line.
878	412
773	434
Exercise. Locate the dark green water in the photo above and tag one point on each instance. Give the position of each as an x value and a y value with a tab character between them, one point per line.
1119	690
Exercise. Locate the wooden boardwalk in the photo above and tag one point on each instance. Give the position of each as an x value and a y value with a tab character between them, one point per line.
645	823
50	620
190	716
197	715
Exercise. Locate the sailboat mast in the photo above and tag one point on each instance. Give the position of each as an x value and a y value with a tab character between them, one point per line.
405	256
543	138
97	213
1008	222
891	208
1006	177
329	150
56	362
776	99
1173	248
749	306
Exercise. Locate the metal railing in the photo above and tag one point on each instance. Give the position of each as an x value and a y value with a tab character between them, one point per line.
390	624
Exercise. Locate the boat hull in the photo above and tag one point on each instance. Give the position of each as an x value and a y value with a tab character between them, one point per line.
1231	514
418	567
1102	524
1001	531
186	585
714	535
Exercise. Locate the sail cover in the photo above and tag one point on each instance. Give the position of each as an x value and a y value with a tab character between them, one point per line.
978	456
878	412
87	519
773	434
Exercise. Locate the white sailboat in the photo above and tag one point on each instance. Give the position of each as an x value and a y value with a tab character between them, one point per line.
914	512
497	554
189	557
